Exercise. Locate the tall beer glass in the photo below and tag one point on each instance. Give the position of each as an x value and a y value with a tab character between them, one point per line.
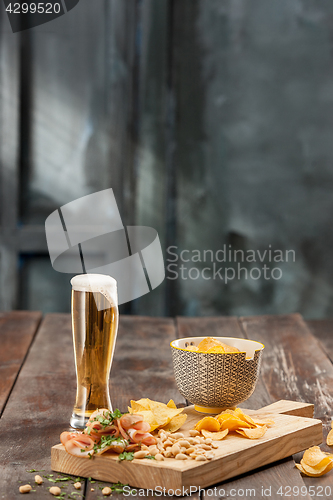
94	325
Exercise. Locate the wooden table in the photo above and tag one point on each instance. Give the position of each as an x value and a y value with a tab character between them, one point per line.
37	388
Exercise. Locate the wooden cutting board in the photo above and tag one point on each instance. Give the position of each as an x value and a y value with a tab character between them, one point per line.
294	431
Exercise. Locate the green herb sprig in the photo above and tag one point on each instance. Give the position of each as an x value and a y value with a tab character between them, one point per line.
126	455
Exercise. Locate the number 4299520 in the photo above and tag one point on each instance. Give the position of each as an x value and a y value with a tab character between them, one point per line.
33	8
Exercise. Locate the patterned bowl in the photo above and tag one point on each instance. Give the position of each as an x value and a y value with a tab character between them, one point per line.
215	381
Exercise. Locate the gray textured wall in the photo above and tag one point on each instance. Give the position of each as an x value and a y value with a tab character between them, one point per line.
212	119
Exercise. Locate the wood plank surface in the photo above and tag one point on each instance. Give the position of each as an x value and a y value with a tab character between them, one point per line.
295	367
268	476
322	329
17	331
39	407
290	433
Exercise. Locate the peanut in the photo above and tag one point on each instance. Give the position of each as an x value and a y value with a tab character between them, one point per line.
181	456
77	486
144	447
167	443
177	435
154	451
175	449
205	447
196	440
55	491
190	440
140	454
200	458
183	449
215	445
208	441
25	489
159	457
38	480
106	491
210	455
184	443
167	454
190	450
194	433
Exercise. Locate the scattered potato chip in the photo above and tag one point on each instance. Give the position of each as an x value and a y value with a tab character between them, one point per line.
233	423
328	468
315	462
329	439
216	436
163	414
255	433
224	416
175	423
246	418
159	415
141	404
207	343
318	468
314	455
148	416
233	420
209	424
230	411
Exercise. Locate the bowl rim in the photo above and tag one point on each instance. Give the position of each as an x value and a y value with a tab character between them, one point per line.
217	353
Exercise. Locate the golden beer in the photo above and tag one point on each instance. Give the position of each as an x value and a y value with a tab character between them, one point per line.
94	325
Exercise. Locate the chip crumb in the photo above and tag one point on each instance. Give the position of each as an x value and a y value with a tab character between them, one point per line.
77	485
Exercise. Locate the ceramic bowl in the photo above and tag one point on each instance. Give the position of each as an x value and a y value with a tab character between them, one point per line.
216	381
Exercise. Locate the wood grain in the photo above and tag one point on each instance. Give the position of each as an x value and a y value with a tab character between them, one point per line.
288	435
17	331
322	329
295	366
39	407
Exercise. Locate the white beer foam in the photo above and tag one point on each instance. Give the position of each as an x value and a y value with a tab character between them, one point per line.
101	283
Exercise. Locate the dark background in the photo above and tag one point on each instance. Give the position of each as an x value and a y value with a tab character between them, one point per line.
211	120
